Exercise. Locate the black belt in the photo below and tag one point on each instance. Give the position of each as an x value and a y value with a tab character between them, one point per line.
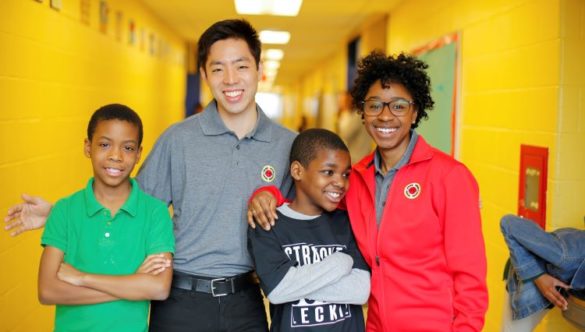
214	286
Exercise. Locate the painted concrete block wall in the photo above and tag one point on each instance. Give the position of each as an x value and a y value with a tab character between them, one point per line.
568	182
519	73
56	68
568	198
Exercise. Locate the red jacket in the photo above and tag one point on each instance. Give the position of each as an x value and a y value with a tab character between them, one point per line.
427	257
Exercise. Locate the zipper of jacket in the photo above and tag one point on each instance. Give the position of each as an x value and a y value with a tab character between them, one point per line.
392	189
372	228
383	218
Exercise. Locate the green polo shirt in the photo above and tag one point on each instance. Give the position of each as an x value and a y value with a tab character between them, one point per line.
96	242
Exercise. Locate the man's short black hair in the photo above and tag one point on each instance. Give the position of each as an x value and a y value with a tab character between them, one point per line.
404	69
309	142
237	29
114	112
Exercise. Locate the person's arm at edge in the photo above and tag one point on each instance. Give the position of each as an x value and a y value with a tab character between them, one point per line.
31	214
137	286
465	250
51	290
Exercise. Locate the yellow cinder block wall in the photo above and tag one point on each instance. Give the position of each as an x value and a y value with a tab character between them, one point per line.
522	81
568	196
56	68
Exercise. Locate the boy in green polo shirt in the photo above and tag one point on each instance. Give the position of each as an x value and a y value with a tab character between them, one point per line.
107	248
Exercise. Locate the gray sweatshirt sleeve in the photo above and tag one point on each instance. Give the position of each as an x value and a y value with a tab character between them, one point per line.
353	288
301	281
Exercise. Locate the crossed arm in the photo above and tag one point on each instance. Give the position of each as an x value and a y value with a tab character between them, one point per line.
332	280
61	283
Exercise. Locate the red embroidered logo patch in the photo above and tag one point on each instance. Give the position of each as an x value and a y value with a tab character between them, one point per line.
412	190
268	173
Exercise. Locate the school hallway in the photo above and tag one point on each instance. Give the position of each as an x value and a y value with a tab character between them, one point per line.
508	79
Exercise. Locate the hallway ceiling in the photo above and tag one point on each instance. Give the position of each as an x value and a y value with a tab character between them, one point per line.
316	33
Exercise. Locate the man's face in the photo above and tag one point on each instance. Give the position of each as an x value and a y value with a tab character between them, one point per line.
232	76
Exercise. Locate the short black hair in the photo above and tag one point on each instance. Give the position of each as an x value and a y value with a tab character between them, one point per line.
114	112
235	28
404	69
306	145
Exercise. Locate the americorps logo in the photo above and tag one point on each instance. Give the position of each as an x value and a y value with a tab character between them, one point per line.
412	190
268	173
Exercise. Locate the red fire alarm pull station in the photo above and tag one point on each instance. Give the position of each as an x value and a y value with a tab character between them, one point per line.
533	176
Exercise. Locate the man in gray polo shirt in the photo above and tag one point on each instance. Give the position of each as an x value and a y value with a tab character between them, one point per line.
206	167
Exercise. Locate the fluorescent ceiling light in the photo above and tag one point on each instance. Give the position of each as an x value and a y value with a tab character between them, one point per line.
271	103
270	72
267	78
271	64
268	7
273	54
274	37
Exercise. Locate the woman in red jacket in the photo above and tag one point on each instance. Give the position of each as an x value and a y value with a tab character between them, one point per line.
414	210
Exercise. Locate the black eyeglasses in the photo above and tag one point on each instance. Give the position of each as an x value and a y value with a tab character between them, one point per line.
398	107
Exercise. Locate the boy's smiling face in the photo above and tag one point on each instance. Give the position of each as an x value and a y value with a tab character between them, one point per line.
114	151
323	183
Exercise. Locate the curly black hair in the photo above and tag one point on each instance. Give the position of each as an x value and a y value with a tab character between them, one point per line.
404	69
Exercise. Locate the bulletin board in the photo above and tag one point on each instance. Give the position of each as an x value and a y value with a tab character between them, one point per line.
441	56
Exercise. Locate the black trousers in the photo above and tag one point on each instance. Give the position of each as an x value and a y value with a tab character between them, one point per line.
193	311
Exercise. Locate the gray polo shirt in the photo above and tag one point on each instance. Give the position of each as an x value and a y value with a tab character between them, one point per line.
384	181
207	174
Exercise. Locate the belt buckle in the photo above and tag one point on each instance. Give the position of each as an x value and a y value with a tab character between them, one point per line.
213	281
